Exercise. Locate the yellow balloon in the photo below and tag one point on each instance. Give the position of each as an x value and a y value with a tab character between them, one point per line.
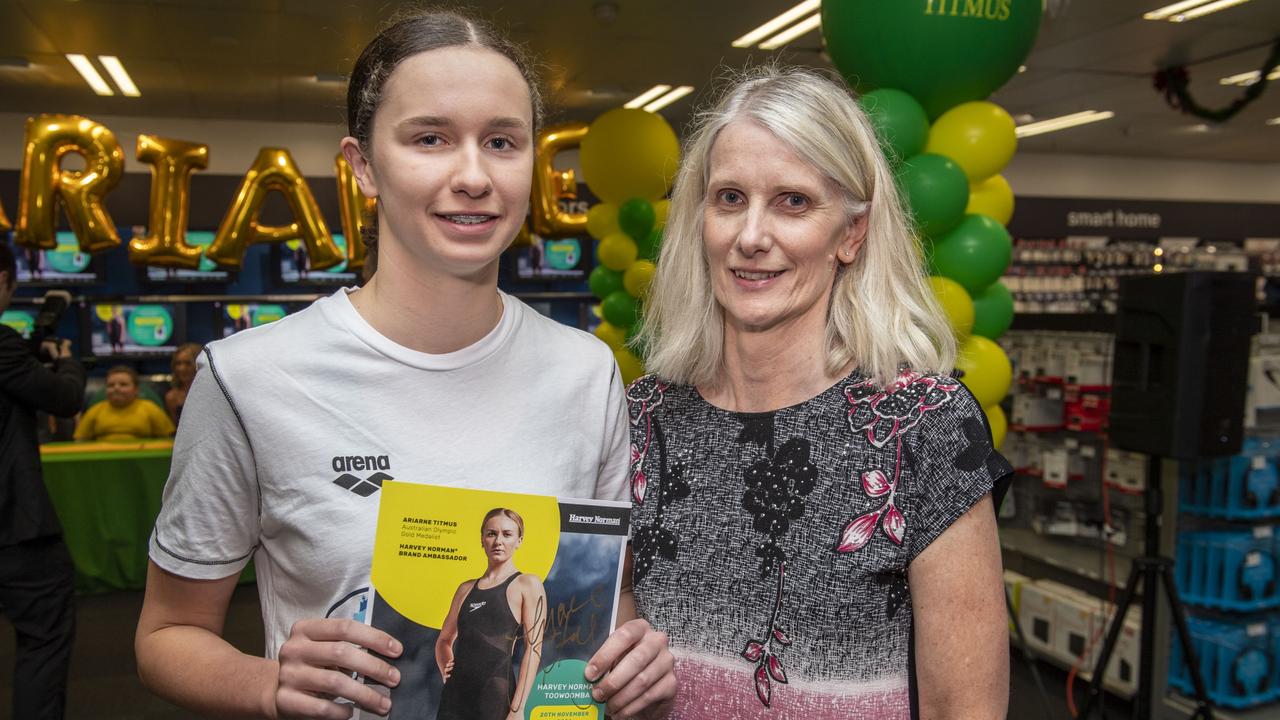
956	303
660	210
636	278
992	197
629	365
235	311
978	135
612	335
172	162
629	153
602	220
999	424
598	310
987	372
618	251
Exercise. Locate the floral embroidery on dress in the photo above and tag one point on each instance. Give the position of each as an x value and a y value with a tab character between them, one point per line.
653	540
643	397
768	665
886	415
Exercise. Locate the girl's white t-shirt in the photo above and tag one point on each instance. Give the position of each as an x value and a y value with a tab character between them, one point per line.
289	430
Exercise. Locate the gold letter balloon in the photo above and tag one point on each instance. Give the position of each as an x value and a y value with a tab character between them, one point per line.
273	170
44	182
549	184
172	162
355	209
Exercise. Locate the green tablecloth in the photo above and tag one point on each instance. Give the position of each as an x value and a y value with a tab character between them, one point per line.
107	500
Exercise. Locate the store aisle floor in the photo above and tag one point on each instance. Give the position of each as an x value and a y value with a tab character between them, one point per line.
104	677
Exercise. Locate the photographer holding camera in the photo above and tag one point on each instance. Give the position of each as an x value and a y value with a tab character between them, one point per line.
36	575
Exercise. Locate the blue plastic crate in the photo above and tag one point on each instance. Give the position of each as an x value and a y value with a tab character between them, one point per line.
1237	660
1236	570
1243	487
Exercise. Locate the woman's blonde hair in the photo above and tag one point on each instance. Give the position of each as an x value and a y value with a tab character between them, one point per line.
882	312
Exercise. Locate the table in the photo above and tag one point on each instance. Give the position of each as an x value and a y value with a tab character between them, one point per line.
107	496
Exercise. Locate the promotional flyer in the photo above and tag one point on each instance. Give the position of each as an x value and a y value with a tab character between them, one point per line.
499	598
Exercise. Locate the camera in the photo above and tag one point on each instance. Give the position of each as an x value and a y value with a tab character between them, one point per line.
52	307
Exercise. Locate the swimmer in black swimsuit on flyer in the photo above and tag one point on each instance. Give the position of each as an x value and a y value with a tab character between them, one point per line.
488	615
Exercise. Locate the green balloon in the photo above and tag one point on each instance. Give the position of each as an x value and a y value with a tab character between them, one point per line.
650	245
992	311
636	218
937	191
619	309
941	52
901	124
638	349
974	254
604	281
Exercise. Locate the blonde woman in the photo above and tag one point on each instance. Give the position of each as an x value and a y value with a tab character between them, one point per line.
804	471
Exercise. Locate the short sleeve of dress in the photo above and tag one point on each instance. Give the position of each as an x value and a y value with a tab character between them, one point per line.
953	464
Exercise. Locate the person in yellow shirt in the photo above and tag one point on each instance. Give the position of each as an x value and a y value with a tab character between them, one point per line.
123	415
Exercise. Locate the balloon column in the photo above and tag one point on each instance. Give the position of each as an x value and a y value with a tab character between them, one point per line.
629	158
938	60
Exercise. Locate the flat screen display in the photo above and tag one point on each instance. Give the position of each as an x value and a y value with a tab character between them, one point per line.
234	317
62	265
295	265
207	271
135	329
20	320
551	259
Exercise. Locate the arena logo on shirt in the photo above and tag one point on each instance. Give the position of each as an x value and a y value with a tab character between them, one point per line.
364	487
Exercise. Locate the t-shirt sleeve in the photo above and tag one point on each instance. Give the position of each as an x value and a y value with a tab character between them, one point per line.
953	464
612	484
84	428
209	520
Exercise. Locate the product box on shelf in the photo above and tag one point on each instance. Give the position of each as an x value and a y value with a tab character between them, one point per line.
1237	661
1245	486
1036	612
1126	471
1233	570
1013	582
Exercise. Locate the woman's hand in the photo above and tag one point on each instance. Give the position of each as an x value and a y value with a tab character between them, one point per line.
448	671
316	664
634	672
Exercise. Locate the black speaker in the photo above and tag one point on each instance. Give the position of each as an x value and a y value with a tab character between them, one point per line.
1181	363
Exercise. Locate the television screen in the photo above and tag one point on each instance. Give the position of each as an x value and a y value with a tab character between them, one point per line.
135	329
551	259
234	317
20	320
295	266
207	271
63	265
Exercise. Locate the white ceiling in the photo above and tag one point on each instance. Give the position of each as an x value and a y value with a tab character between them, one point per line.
257	59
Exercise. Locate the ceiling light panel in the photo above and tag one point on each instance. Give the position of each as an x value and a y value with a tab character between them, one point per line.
90	74
1169	11
669	98
1063	122
778	23
117	72
646	97
807	25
